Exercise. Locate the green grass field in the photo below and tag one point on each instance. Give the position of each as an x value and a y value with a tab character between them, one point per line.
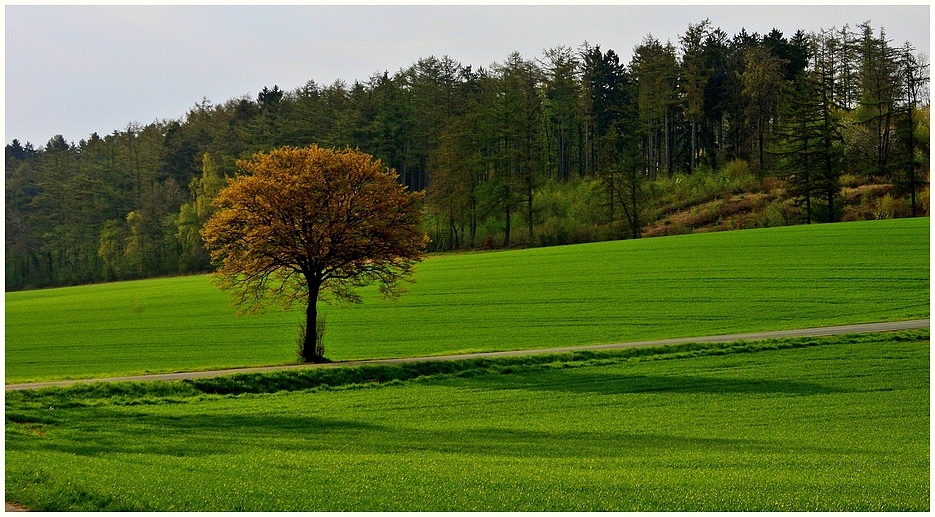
692	285
824	424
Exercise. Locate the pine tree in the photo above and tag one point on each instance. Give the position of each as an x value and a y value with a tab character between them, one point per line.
799	141
879	84
694	79
762	86
908	172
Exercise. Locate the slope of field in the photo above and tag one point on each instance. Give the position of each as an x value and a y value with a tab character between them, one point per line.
824	424
720	283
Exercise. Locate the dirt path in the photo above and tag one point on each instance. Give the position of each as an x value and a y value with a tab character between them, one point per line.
810	332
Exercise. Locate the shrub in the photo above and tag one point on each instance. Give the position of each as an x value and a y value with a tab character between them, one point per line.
569	213
851	180
736	170
871	205
778	213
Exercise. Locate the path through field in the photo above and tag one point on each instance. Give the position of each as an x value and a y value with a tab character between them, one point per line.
810	332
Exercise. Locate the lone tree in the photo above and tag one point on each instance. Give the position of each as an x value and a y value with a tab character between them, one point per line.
309	224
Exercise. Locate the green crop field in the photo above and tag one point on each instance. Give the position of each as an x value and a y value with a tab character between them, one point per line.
824	424
691	285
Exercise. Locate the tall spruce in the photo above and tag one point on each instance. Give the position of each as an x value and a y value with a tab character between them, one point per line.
799	146
914	71
879	85
762	87
655	68
695	74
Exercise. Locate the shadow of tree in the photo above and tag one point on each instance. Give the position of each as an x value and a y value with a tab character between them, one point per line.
178	431
582	381
110	430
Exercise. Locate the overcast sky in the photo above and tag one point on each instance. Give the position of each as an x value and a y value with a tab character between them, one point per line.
75	70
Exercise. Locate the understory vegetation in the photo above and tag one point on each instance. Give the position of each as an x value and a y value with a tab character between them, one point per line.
730	198
820	424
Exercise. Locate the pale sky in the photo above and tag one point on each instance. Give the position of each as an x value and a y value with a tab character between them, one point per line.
73	70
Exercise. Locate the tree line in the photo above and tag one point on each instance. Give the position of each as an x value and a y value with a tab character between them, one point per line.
502	152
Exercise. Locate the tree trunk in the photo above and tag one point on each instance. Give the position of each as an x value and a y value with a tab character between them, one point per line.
506	228
529	208
667	154
694	145
912	163
808	175
473	219
912	159
761	141
635	220
311	332
611	191
309	348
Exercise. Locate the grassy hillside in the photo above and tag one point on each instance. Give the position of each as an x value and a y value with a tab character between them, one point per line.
827	424
703	284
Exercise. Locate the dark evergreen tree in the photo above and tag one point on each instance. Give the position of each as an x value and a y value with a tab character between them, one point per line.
762	86
909	169
561	106
799	145
880	83
656	72
695	75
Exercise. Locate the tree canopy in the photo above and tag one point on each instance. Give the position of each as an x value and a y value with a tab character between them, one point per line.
309	224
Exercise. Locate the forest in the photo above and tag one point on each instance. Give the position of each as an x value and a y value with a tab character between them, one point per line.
575	145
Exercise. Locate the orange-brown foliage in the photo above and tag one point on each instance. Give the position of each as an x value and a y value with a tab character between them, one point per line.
303	223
